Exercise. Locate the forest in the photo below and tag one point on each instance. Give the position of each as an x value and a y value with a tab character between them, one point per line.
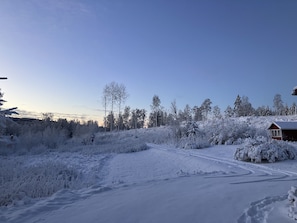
115	94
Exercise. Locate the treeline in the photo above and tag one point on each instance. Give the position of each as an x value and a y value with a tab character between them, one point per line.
70	128
139	118
31	133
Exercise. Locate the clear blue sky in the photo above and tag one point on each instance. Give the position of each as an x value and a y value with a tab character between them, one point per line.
59	54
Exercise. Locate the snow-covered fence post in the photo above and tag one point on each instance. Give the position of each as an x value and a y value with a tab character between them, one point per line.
292	197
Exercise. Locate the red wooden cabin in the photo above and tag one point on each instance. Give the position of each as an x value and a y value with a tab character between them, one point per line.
283	131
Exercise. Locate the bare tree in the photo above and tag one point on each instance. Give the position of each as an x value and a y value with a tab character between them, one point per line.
122	95
113	94
278	104
121	98
105	102
174	111
110	97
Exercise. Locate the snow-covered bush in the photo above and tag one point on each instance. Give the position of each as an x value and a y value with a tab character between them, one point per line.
123	141
193	142
189	136
292	197
109	142
50	138
18	181
230	131
258	151
216	132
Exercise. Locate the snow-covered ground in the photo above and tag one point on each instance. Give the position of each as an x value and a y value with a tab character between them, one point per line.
164	184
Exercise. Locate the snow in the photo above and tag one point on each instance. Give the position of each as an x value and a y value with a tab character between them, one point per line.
165	184
293	201
287	125
159	184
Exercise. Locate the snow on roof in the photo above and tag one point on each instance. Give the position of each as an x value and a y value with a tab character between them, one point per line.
286	125
294	92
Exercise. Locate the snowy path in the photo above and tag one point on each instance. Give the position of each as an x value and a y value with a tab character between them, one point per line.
164	184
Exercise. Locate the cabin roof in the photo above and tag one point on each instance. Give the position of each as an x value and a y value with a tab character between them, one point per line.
285	125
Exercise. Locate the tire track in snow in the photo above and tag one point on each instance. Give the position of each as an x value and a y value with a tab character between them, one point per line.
260	210
266	174
245	170
254	170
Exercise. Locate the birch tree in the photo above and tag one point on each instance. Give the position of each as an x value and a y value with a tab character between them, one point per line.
114	94
156	108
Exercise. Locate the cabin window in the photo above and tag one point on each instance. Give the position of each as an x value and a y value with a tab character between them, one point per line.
276	132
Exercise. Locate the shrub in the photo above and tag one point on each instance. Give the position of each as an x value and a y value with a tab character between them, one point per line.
229	131
18	181
257	151
189	136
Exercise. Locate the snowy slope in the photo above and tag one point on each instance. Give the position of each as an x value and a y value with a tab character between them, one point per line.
164	184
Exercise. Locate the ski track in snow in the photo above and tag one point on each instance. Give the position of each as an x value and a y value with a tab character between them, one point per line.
160	164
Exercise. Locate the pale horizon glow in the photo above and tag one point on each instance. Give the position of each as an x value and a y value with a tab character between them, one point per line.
59	55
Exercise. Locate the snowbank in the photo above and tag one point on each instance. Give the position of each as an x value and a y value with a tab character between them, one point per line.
292	197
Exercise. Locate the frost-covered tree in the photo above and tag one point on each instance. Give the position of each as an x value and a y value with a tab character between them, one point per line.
113	94
110	121
156	111
263	111
1	98
133	121
293	109
197	113
119	123
206	108
286	110
278	104
246	107
137	118
187	116
217	112
229	112
108	97
5	112
237	106
121	98
174	111
122	95
3	116
126	117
